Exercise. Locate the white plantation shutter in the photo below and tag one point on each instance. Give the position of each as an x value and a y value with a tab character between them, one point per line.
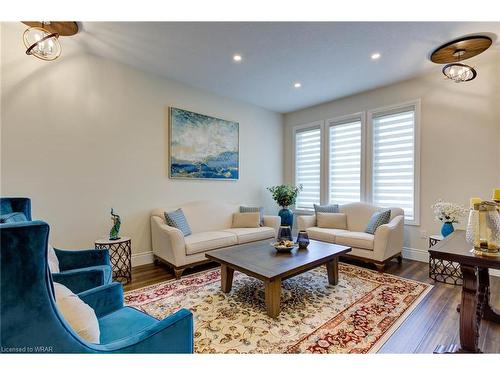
308	166
345	162
393	161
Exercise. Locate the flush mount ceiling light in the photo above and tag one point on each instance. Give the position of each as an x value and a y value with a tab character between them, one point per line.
375	56
454	52
297	85
42	38
237	58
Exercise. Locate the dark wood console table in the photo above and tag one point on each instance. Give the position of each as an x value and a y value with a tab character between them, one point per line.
475	302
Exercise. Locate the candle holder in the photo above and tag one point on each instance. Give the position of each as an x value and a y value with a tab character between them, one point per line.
483	228
303	239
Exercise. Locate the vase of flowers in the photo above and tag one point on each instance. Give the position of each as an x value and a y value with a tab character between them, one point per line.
448	213
285	196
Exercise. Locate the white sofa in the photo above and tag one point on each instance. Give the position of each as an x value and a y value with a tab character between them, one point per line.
384	245
210	224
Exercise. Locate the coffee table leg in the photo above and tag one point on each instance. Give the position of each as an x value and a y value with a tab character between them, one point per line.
332	268
226	278
273	297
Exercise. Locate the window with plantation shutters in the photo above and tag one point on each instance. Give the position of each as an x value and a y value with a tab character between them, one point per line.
344	162
394	160
308	166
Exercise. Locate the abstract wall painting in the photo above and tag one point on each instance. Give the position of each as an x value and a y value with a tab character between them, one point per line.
202	147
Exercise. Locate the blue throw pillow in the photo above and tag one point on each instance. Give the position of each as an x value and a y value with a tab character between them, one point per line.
330	208
260	210
177	220
13	217
378	219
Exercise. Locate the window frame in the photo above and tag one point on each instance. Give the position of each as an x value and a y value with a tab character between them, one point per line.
340	120
387	110
299	129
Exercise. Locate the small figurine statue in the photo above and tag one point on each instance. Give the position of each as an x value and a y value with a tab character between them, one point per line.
115	230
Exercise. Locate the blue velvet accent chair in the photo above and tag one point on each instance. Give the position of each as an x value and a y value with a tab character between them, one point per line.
29	317
79	269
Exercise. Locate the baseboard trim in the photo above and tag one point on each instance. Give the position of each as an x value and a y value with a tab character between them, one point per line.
140	259
416	254
423	256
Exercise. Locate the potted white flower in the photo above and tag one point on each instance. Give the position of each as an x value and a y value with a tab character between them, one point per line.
448	213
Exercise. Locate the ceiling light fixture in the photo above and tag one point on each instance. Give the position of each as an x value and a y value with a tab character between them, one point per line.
42	38
237	58
375	56
297	85
454	52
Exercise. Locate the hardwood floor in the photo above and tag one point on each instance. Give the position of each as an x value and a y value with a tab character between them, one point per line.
433	322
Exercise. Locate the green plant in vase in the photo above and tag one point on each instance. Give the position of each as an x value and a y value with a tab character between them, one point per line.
285	196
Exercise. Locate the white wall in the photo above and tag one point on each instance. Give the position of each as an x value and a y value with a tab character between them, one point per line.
82	134
460	135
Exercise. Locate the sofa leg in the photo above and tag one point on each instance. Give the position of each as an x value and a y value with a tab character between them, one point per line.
400	259
178	272
156	262
380	267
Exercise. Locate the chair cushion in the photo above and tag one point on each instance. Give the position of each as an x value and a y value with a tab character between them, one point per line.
331	208
260	210
52	259
324	234
123	323
177	220
378	219
245	235
204	241
331	220
361	240
13	217
246	220
80	316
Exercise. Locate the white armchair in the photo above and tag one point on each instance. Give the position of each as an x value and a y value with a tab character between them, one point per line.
378	248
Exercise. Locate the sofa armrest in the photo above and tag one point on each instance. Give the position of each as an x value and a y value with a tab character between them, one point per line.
389	239
173	334
272	222
104	299
80	280
168	242
306	221
71	259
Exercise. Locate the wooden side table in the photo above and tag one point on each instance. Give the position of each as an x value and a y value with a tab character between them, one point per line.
120	253
441	270
475	303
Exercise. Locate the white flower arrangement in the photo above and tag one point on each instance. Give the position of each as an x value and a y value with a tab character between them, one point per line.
448	212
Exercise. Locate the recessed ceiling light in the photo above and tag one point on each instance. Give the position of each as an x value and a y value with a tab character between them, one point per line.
297	85
375	56
237	58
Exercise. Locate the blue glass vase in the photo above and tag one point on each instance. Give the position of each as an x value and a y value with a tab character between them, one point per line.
286	217
447	229
303	239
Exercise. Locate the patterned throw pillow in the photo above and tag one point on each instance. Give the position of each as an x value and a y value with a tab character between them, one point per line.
378	219
330	208
260	210
177	220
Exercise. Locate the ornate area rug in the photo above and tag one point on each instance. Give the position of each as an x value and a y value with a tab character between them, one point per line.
356	316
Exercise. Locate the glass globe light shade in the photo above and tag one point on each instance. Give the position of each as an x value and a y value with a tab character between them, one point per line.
42	43
459	72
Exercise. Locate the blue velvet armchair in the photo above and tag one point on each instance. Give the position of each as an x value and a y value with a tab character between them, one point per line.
31	322
79	269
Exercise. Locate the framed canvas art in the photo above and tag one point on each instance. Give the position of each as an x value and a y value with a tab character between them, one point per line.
202	147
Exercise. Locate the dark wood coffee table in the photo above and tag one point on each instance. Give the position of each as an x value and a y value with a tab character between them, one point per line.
262	261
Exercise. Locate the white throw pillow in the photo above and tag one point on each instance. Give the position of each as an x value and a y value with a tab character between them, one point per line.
331	220
80	316
52	258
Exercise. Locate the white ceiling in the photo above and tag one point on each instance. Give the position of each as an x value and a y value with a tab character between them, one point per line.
331	60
